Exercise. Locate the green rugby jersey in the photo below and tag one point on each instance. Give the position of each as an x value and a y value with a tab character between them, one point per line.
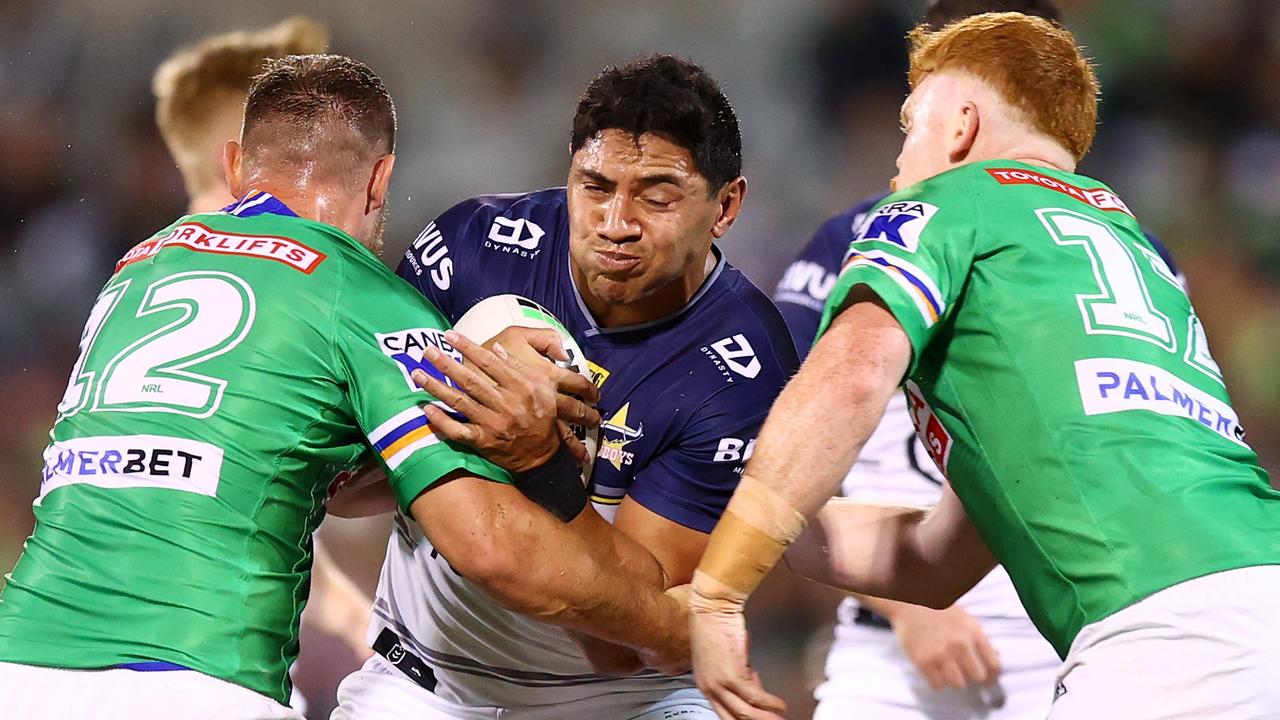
231	369
1061	379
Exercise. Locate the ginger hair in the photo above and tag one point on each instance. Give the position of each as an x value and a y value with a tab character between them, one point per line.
1034	64
195	85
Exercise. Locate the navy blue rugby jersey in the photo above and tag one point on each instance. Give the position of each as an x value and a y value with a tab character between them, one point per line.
682	398
804	287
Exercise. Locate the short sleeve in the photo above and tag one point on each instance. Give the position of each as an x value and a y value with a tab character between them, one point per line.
379	341
803	290
915	251
691	483
440	257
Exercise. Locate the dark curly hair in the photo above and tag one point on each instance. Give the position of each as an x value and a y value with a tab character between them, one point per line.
672	98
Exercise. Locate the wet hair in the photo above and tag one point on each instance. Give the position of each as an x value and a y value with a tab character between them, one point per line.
1032	63
330	111
940	13
669	97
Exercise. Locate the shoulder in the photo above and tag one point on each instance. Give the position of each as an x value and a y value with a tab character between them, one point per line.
743	340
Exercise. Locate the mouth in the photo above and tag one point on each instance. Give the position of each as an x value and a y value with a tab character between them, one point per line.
616	262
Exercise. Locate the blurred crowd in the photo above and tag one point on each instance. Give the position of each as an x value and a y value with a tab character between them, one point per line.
1189	137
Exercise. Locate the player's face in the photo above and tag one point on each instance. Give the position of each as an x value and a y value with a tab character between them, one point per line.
926	150
641	222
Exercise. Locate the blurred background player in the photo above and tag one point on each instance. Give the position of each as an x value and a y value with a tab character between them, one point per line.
171	555
982	657
688	355
1061	380
200	93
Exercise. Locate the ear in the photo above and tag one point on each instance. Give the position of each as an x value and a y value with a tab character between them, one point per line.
232	159
730	198
379	182
965	132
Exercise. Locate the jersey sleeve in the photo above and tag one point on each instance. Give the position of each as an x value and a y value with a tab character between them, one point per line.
915	251
379	341
691	483
804	287
440	259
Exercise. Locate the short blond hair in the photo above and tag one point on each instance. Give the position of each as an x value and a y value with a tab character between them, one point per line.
216	70
1034	64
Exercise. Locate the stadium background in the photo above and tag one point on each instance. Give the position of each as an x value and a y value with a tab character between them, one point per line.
1190	137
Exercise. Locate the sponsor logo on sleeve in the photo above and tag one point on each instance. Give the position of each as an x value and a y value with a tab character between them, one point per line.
430	253
200	238
1100	198
900	223
407	346
133	461
936	439
733	353
805	283
518	236
1111	385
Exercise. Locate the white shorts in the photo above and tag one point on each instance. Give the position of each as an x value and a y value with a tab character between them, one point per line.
378	691
869	676
1207	649
33	692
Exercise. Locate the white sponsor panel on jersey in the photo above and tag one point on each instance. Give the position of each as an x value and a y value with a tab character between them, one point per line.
1111	385
407	346
806	283
201	238
133	461
900	223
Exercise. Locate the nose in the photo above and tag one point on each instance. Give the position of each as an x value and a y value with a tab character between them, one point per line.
619	224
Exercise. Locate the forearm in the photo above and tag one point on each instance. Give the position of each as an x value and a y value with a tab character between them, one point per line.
812	436
617	549
911	555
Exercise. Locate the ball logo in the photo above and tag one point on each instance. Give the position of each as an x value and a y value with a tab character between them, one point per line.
900	223
936	439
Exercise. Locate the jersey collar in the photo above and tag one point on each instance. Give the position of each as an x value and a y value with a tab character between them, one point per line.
256	202
595	329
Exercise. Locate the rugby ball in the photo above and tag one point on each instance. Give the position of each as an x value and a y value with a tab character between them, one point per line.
494	314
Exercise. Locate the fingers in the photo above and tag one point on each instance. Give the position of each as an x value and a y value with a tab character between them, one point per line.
571	441
469	381
500	371
744	699
569	382
990	658
544	340
450	396
451	429
573	410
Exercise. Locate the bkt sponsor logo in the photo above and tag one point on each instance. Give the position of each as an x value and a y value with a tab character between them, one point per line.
734	450
125	461
733	353
514	235
900	223
806	283
1110	385
406	347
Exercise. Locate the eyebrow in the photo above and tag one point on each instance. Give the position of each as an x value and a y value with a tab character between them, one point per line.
647	181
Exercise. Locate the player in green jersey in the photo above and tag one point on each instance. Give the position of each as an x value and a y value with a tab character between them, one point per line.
1060	378
233	365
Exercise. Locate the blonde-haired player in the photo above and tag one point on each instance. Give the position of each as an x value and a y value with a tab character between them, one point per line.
1060	378
200	92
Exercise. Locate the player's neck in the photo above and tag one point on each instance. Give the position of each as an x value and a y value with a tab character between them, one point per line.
655	306
1040	151
211	200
